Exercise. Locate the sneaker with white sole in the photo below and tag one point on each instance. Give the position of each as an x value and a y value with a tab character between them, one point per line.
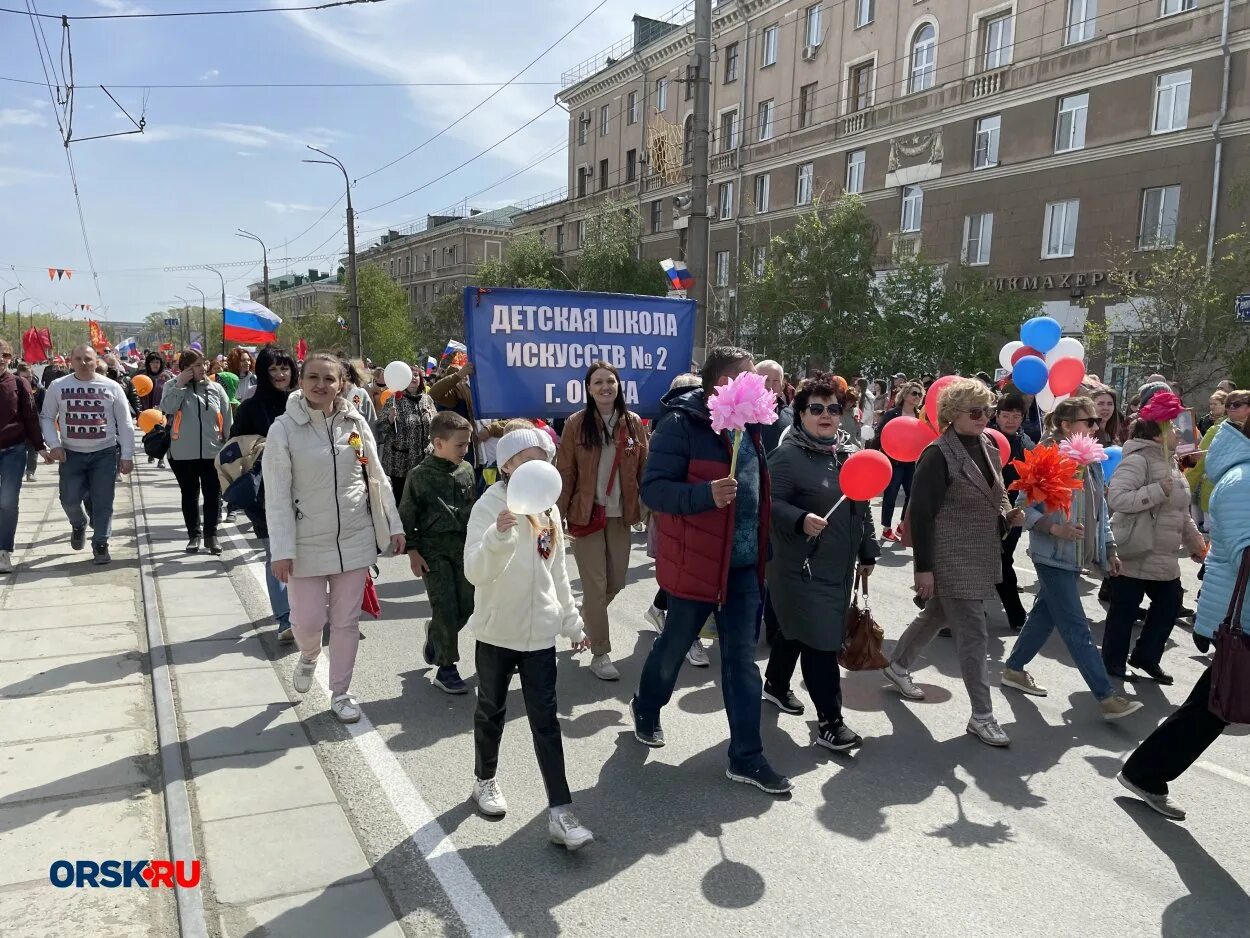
301	677
565	829
601	666
286	634
345	708
655	617
989	732
488	798
1116	707
902	682
1161	803
1023	682
697	655
6	561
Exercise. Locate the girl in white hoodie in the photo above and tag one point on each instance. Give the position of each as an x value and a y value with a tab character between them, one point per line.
523	601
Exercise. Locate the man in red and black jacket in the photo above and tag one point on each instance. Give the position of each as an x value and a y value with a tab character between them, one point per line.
713	543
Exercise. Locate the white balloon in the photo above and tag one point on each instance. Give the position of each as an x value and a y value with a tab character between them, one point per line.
1004	357
398	376
1068	347
866	432
1047	400
534	487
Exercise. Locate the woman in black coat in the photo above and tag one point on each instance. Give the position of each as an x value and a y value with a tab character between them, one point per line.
812	569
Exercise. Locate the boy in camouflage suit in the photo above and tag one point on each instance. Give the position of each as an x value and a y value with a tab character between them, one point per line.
438	497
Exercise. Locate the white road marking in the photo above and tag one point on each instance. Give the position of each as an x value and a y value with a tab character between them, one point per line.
1224	773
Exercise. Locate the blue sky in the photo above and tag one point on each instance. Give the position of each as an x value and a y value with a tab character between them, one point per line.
215	159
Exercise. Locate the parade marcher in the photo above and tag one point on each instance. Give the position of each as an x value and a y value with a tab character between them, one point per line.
1236	409
601	459
402	431
813	563
239	362
200	424
523	601
907	403
356	393
20	436
113	368
1008	420
1060	549
437	497
37	393
324	488
452	392
1111	430
775	379
158	374
86	419
1183	737
958	517
713	544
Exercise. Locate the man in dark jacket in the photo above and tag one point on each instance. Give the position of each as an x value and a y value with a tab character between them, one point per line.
19	429
1011	410
775	377
713	542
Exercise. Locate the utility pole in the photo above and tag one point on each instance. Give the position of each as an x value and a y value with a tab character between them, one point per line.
223	309
203	317
19	318
265	256
4	310
700	72
353	295
184	332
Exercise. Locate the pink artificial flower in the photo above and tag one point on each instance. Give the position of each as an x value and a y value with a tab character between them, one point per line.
745	399
1083	449
1163	405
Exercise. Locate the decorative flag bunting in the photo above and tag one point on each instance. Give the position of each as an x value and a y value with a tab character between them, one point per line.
677	274
56	273
129	346
248	321
86	306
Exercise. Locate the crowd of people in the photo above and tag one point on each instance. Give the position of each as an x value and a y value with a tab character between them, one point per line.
334	469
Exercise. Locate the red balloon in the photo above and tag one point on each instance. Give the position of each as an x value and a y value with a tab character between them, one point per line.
931	399
1066	375
1021	352
865	474
904	438
1004	447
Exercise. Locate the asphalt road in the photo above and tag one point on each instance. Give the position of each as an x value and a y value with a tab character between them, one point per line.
925	831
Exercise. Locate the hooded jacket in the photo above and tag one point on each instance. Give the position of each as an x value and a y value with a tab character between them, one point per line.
1137	487
19	420
1228	463
201	418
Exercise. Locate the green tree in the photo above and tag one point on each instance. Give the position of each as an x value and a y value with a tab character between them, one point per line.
387	332
608	261
444	321
527	263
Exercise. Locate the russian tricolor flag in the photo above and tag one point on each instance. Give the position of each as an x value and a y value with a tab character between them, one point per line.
677	273
128	347
430	364
249	322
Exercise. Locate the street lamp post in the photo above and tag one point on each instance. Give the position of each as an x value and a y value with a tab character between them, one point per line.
264	252
4	308
203	316
353	298
19	316
223	307
185	332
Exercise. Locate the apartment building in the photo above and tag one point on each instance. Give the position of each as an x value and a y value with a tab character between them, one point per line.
1030	138
294	295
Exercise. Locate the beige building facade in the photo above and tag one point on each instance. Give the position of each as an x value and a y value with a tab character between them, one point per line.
294	295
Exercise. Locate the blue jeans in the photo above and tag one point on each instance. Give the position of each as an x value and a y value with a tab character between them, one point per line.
90	478
737	626
900	478
277	590
12	466
1058	605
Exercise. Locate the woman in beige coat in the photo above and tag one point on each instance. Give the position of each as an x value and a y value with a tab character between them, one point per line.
1147	489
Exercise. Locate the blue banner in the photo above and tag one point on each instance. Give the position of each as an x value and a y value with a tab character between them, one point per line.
530	348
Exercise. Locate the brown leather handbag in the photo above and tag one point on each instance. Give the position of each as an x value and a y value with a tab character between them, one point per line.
862	638
1230	671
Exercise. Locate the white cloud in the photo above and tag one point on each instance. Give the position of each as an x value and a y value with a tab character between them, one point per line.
285	208
15	175
210	75
20	117
120	7
249	136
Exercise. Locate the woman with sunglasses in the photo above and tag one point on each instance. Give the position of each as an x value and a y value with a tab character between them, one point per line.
812	567
1061	549
1235	409
906	404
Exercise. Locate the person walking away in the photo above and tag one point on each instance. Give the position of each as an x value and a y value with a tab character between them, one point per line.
523	601
906	404
19	436
275	379
959	515
87	421
403	431
323	487
814	559
200	423
37	393
601	459
713	544
437	499
1147	491
1008	420
1180	740
1060	549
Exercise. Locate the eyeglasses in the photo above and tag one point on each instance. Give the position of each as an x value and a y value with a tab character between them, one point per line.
914	394
1237	406
1090	422
817	409
976	413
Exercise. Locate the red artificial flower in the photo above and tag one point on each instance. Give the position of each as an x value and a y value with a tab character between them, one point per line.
1048	478
1162	406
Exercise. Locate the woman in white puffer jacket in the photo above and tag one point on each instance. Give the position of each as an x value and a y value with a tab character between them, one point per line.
320	515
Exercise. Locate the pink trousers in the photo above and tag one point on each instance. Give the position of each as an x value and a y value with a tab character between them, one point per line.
316	600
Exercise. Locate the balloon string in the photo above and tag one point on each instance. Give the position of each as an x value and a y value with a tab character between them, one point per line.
835	507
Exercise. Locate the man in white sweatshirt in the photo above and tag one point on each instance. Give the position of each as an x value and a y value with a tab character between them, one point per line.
86	420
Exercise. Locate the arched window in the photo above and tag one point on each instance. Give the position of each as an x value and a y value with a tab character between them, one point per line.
687	145
923	59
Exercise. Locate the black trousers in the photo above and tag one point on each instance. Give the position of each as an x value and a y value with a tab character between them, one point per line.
1008	589
772	628
196	476
1177	743
495	667
661	600
1126	597
821	673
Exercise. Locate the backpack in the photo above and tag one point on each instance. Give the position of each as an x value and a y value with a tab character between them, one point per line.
156	442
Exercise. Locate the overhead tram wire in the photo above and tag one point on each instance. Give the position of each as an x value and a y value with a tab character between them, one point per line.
328	5
210	85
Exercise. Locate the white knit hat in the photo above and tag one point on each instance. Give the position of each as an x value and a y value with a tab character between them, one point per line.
516	441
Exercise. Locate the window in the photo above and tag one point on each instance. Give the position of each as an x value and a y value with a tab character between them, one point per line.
803	184
861	87
978	231
603	121
1172	7
603	175
728	131
451	254
768	46
763	188
1070	125
855	161
1171	101
759	261
581	232
731	62
559	239
581	181
631	108
923	59
1081	19
996	40
661	94
812	35
631	165
726	200
722	268
913	208
1059	238
766	120
656	216
807	105
1159	208
864	12
985	147
583	122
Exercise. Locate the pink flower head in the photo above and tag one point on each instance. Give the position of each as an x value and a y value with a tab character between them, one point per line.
745	399
1163	405
1083	449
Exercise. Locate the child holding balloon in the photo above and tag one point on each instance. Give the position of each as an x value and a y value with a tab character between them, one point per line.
514	557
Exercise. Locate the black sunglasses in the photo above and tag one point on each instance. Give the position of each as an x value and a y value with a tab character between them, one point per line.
817	409
1090	422
976	413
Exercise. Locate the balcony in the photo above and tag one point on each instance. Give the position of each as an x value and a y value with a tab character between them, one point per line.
906	245
855	123
725	162
980	86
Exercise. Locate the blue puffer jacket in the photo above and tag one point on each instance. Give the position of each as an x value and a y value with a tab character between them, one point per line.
1054	552
1228	465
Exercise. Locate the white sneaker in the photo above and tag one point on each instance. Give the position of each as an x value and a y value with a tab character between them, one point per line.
902	682
656	618
345	708
989	732
1023	682
488	798
301	678
565	829
601	666
697	655
6	562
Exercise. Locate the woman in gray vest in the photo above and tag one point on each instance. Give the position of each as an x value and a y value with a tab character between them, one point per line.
958	516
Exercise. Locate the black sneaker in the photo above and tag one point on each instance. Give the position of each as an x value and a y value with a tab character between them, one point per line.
1156	673
100	554
193	544
449	680
212	544
837	736
784	700
1202	643
427	650
763	778
648	733
77	538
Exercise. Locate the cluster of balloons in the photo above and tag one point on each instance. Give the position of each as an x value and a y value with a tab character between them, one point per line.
905	438
1044	363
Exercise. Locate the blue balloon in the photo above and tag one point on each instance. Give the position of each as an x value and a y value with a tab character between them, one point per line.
1030	374
1114	455
1041	333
